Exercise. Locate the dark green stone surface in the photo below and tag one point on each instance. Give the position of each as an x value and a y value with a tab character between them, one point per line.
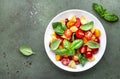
23	22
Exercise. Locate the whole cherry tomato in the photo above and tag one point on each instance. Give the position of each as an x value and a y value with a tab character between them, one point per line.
94	51
88	54
97	40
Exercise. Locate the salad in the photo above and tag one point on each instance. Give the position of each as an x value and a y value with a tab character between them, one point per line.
74	41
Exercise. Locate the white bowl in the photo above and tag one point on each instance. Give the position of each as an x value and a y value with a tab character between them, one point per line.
77	13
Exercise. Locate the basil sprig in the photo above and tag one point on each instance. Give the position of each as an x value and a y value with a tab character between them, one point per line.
69	48
108	16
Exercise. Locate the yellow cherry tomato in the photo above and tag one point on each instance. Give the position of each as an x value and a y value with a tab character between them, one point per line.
97	33
57	57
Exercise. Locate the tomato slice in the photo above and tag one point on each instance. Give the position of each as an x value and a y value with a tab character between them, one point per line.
65	61
68	33
83	49
79	33
88	35
88	54
77	24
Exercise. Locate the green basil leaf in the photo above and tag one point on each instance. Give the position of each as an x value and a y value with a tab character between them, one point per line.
26	50
58	27
99	9
54	45
71	52
79	56
110	17
76	44
63	26
92	44
87	26
66	44
62	51
82	59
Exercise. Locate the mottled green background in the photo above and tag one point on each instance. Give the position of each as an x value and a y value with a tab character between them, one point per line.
23	22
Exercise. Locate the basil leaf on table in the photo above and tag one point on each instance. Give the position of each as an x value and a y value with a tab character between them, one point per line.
66	44
76	44
54	45
92	44
99	9
26	50
87	26
82	59
58	27
108	16
64	51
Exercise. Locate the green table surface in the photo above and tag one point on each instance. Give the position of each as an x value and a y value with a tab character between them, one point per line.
23	22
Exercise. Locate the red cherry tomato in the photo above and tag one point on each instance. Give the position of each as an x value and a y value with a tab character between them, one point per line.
79	33
94	51
88	54
97	40
68	33
77	24
65	61
83	49
88	35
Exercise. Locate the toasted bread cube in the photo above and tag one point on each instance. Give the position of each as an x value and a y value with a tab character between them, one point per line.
83	20
91	59
73	28
72	64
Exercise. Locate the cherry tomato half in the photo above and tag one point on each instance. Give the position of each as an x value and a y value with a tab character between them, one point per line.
65	61
79	33
88	35
83	49
68	33
77	24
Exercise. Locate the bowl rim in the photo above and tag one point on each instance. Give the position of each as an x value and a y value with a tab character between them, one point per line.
70	10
